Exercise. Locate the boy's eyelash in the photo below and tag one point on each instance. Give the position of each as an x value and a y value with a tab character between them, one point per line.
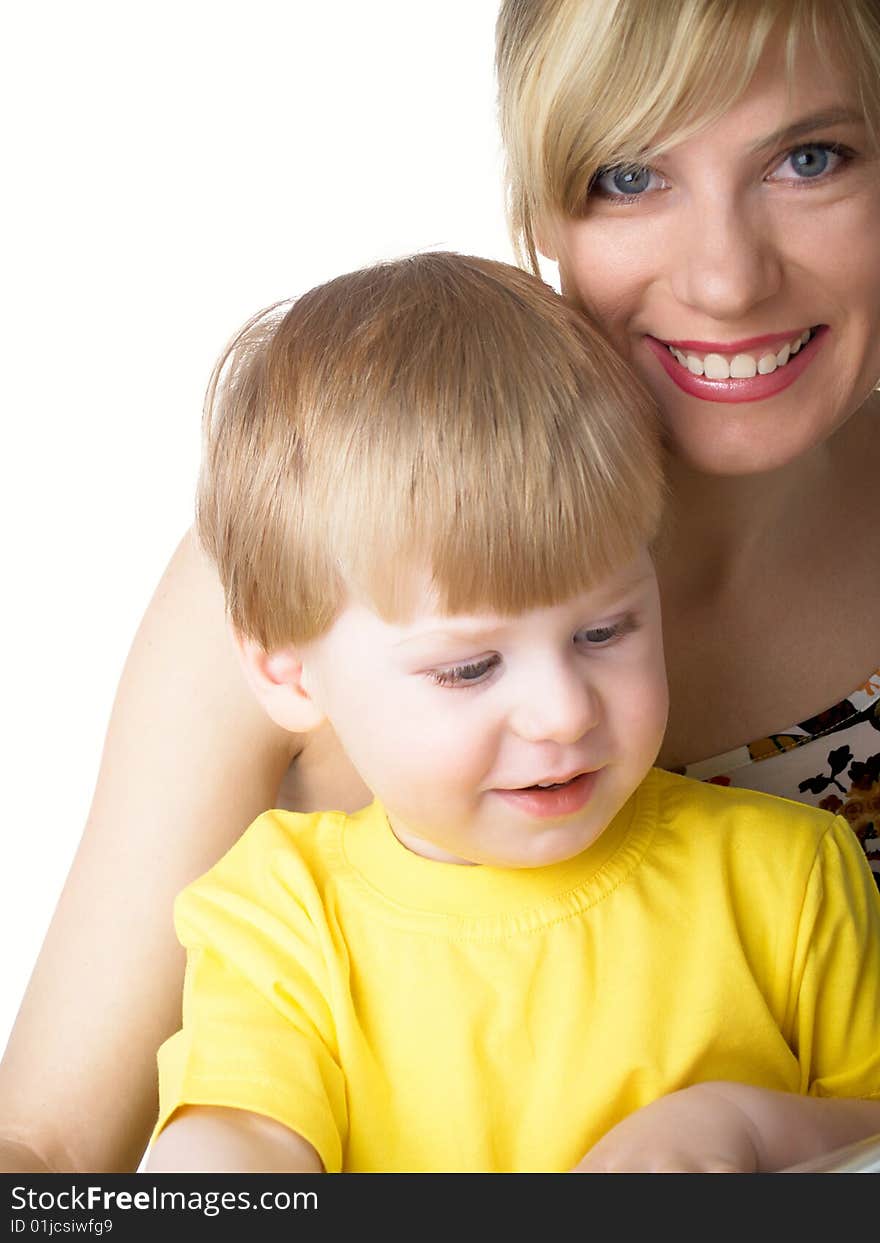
604	635
473	673
470	674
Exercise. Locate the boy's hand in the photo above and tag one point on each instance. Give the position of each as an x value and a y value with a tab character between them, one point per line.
699	1129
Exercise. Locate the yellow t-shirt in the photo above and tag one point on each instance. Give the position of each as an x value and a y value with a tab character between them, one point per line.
403	1014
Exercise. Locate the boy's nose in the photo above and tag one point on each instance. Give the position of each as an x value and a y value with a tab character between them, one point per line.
560	709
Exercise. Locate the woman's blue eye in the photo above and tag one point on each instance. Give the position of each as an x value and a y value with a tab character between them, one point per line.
812	160
628	180
631	180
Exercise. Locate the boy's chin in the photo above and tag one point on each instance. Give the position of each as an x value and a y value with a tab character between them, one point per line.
522	849
538	846
548	847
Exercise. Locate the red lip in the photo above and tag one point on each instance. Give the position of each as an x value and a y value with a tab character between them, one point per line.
759	388
735	347
564	800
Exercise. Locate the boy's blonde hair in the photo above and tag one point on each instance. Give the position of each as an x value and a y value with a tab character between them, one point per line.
439	414
589	84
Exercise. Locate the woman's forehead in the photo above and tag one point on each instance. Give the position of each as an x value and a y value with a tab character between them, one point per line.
787	98
589	83
794	91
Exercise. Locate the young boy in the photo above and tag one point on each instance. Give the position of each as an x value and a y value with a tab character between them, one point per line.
430	489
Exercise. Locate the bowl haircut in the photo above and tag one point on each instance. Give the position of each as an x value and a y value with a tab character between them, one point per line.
439	415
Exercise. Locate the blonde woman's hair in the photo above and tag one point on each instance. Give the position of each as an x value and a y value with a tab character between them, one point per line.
588	84
440	415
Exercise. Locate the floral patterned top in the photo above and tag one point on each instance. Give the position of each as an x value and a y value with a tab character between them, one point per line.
831	760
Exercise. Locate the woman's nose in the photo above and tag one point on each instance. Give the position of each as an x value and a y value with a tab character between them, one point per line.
727	261
560	707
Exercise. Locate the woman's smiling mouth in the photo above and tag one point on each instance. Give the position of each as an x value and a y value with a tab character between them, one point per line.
750	370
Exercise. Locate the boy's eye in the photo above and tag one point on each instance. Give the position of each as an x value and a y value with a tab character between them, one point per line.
464	675
601	636
813	161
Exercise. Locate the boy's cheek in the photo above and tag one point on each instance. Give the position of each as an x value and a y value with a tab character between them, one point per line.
642	709
438	764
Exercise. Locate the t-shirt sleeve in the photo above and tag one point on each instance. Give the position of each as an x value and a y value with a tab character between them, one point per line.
258	1032
836	974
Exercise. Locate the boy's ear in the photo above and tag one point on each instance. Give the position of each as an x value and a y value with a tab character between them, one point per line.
276	678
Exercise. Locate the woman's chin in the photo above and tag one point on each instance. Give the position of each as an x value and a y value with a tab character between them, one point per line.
726	449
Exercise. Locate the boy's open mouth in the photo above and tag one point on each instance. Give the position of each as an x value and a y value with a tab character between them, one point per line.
548	799
552	785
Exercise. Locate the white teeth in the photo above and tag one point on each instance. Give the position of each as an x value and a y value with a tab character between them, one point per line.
740	366
715	367
743	367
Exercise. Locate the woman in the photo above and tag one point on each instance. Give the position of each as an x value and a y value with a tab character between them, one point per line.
707	178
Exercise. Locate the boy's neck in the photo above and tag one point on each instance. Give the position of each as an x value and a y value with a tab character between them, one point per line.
424	849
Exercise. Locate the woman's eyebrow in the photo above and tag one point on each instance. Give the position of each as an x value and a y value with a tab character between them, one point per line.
788	134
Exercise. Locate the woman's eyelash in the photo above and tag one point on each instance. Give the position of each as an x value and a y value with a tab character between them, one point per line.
638	173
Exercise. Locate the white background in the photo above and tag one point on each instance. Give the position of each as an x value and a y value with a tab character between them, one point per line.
168	169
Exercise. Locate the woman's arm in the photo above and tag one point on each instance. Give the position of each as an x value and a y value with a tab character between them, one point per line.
730	1127
189	760
202	1139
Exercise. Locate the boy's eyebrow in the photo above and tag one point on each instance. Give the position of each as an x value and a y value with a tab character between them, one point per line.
454	636
789	134
475	634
